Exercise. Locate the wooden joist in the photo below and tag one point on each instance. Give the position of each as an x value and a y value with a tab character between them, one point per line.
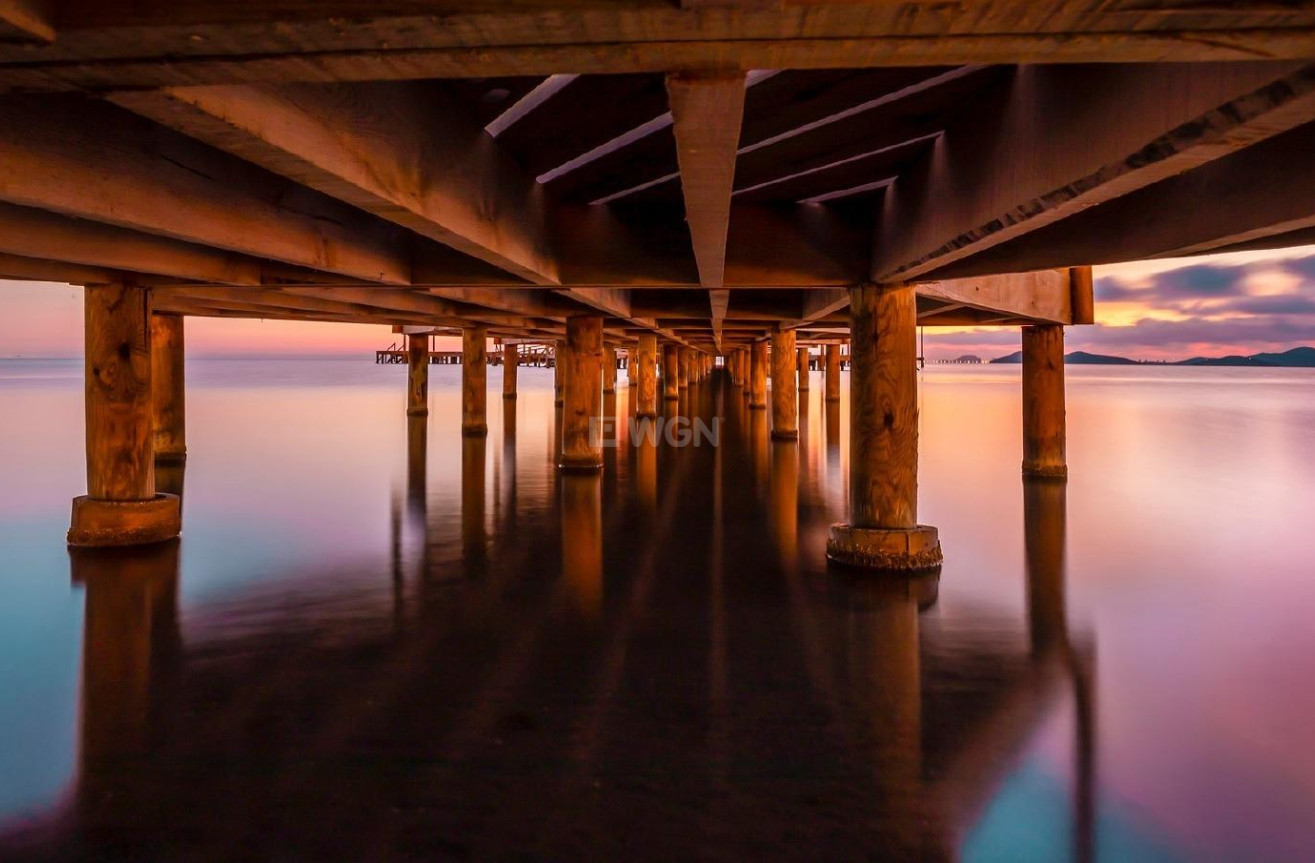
94	161
408	152
25	21
1058	140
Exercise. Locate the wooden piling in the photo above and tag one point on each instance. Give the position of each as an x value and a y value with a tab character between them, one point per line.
643	373
684	363
785	386
1043	402
121	506
671	372
582	392
558	372
804	370
883	532
511	358
474	382
168	395
833	373
417	378
758	375
609	370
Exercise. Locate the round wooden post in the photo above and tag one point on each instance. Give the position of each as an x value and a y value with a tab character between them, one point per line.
609	370
582	393
558	372
671	372
1043	402
474	382
685	360
739	359
643	372
883	532
804	370
833	373
121	506
511	358
758	375
167	389
417	378
785	386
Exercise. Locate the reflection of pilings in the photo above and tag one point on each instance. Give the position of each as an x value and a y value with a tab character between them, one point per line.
886	667
129	634
758	442
645	450
417	459
1044	517
582	541
785	502
474	538
509	461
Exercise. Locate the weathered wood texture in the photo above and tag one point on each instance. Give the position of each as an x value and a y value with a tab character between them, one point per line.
883	407
706	114
1043	402
582	406
609	370
643	375
120	431
168	392
805	373
670	372
832	373
474	382
785	386
559	372
511	356
758	375
417	375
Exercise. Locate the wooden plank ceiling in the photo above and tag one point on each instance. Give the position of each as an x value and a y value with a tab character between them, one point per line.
707	174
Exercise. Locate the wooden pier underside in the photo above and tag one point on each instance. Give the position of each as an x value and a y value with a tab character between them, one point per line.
706	171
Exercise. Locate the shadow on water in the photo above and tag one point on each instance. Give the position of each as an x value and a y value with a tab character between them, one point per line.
654	667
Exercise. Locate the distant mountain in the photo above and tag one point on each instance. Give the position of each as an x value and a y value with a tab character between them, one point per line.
1077	358
1303	357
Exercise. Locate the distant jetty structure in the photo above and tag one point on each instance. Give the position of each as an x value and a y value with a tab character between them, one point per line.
777	183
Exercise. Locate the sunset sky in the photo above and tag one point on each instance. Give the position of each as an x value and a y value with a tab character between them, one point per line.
1173	309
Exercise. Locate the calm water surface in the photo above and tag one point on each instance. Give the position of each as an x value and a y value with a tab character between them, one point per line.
378	641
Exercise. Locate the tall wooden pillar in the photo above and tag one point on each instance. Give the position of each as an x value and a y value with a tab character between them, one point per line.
609	370
785	386
833	373
558	372
511	359
883	532
738	359
582	393
121	506
804	370
474	381
643	373
168	393
417	376
1043	402
684	362
758	375
670	372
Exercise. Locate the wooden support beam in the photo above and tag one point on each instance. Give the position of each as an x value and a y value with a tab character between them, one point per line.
719	302
417	377
474	382
40	234
785	386
643	375
706	112
1044	296
1043	402
186	43
582	404
511	359
805	373
408	152
121	506
1061	139
883	530
757	391
26	21
168	391
833	373
39	270
670	372
93	161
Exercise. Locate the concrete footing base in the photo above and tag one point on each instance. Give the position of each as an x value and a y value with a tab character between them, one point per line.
915	549
98	523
